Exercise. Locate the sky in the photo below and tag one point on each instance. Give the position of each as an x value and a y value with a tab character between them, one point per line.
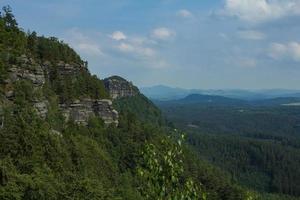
204	44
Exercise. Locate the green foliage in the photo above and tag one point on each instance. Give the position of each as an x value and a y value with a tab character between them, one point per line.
50	159
51	49
14	43
12	40
141	107
258	146
162	173
9	18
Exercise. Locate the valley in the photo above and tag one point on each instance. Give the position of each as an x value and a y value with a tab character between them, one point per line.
257	142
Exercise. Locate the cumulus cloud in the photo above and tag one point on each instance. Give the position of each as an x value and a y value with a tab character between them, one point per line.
143	51
118	35
136	49
289	50
257	11
146	56
82	43
163	33
184	13
251	35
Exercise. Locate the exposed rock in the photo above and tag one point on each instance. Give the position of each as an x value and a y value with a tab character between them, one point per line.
9	94
70	69
41	108
81	110
1	117
119	87
27	69
55	132
103	108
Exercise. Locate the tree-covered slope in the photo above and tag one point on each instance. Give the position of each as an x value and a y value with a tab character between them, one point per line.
257	145
45	156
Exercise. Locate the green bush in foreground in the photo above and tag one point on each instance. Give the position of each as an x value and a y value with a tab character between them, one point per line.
162	173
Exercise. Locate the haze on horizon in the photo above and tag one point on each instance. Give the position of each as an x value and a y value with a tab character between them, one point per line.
245	44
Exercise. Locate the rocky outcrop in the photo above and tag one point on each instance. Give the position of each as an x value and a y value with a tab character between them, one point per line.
118	87
1	116
65	69
25	69
41	108
81	110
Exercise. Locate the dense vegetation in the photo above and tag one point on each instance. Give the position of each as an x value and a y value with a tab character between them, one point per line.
51	159
258	145
141	107
14	43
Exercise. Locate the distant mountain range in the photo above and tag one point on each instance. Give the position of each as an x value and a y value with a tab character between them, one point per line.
165	93
214	100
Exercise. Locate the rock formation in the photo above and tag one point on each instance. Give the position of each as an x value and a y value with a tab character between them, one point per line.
70	69
41	108
1	116
118	87
25	69
79	110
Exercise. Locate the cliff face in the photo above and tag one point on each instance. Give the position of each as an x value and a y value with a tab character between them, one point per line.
119	87
25	69
80	110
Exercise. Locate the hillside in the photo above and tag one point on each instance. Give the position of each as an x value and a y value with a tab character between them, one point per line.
257	142
66	134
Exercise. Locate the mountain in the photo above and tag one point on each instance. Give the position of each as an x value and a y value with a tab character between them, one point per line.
213	100
168	93
66	134
209	100
161	92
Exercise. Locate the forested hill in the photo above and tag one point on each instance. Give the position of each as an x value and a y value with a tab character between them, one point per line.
64	134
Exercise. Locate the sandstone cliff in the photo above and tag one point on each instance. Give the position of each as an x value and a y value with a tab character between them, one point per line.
79	110
118	87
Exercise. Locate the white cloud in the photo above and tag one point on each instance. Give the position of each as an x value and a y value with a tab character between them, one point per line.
118	35
251	35
139	50
146	56
90	49
136	49
138	40
184	13
82	43
295	50
163	33
289	50
277	50
126	47
257	11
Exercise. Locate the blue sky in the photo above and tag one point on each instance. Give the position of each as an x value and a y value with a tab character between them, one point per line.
206	44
